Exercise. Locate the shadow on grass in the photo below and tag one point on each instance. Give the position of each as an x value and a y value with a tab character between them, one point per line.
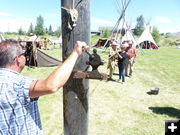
110	79
115	73
170	111
150	93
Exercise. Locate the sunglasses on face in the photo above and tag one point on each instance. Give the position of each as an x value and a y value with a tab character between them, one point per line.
22	54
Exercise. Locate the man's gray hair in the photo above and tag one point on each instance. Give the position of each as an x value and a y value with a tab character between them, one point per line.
8	52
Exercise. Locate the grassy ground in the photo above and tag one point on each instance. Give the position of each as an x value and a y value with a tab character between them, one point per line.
123	109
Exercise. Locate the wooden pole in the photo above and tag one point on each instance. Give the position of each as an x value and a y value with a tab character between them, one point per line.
75	91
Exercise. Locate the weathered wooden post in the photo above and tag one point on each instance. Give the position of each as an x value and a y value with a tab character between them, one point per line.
75	91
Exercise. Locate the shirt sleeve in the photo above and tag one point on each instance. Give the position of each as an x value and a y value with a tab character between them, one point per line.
25	91
125	55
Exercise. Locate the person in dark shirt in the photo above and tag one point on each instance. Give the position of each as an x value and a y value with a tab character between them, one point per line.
122	56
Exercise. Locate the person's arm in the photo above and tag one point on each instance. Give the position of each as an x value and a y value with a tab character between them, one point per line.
59	76
119	55
136	52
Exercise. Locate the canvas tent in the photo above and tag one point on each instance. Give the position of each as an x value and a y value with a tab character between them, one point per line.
146	40
129	37
44	60
178	47
35	57
101	42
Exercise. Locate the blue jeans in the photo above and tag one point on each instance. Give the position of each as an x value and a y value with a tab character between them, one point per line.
121	73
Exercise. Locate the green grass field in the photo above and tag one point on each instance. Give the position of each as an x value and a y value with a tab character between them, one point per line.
122	109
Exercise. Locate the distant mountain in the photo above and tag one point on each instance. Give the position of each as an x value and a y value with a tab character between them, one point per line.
177	34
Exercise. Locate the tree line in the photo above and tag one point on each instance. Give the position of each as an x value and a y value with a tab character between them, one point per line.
39	29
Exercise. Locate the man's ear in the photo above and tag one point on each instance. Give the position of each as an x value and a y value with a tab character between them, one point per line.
17	61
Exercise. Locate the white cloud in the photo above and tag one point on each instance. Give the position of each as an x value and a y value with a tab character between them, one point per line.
102	22
5	14
163	20
12	24
24	19
53	15
171	29
165	25
96	23
133	25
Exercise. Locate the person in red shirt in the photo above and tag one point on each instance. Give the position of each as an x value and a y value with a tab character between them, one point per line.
131	51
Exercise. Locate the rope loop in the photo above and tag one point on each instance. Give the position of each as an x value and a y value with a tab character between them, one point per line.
73	17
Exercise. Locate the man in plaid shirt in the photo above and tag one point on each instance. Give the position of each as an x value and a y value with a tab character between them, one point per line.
19	114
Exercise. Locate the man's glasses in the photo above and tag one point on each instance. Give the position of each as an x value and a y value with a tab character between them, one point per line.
22	54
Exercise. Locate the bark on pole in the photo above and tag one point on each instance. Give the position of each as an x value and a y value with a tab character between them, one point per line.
75	91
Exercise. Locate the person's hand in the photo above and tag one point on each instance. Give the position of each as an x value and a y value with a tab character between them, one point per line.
117	51
80	47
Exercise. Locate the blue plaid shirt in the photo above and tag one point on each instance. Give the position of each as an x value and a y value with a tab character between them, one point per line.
19	115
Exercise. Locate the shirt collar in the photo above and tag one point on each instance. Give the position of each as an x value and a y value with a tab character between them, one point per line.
9	70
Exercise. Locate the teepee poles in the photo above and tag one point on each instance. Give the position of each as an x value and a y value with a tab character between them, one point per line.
117	28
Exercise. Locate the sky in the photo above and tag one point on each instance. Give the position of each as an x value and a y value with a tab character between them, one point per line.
163	14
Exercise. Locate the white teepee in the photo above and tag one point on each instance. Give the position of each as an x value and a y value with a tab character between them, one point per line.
57	42
1	38
147	38
129	37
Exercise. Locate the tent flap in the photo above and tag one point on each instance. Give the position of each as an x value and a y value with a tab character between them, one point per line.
44	60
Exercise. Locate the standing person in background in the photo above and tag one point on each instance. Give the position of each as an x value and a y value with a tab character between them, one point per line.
112	59
19	113
131	51
33	37
122	56
45	43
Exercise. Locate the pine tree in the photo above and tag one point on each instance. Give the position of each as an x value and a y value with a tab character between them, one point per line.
139	26
155	34
106	33
46	30
39	28
21	32
58	32
31	29
50	31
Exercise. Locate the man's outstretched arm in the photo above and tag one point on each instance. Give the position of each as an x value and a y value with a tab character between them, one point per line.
59	76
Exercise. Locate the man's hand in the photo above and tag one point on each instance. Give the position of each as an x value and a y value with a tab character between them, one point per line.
80	47
59	76
117	52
